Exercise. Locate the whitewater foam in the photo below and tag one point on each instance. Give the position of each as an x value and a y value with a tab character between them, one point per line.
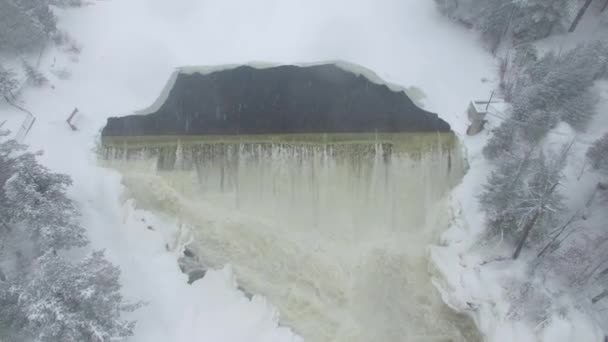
332	229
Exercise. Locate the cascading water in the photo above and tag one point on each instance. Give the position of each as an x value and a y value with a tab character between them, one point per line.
331	228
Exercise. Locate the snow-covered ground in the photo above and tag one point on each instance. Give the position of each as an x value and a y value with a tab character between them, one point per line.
130	49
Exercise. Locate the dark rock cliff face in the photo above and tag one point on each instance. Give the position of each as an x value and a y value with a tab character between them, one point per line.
279	100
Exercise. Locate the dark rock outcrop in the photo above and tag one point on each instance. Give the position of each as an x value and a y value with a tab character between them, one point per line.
278	100
190	264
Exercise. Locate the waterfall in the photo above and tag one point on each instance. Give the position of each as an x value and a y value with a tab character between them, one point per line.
331	228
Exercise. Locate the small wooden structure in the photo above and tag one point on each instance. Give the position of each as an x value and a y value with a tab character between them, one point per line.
25	128
477	112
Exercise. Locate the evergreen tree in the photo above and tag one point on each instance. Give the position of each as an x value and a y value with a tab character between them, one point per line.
539	18
494	21
548	90
598	154
25	24
561	87
36	199
43	297
503	192
503	141
34	77
8	83
74	302
518	20
521	198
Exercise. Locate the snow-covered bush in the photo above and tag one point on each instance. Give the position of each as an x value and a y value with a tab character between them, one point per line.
44	297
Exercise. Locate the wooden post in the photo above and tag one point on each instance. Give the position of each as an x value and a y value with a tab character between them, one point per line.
30	126
579	15
69	120
490	100
599	297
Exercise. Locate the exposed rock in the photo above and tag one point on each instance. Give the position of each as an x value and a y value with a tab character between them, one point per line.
195	275
278	100
190	264
247	294
189	253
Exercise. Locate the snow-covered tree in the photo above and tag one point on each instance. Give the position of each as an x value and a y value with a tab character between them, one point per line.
539	18
502	194
520	21
35	199
494	21
578	110
521	198
74	302
34	77
560	87
513	66
67	3
8	83
25	24
545	91
43	297
504	142
598	154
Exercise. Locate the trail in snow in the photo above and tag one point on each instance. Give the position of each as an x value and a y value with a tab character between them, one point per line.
129	50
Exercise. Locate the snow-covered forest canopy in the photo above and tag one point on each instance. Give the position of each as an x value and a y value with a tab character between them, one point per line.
52	286
545	196
27	27
537	256
516	21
